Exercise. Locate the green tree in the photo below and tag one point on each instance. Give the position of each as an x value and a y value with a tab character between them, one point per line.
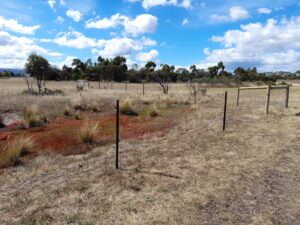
37	66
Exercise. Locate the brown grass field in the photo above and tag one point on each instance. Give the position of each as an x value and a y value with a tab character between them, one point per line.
177	168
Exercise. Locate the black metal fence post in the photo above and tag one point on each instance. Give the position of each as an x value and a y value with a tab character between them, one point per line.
117	135
225	109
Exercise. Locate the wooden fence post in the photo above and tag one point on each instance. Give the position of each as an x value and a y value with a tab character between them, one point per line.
268	99
126	86
238	97
195	96
287	95
117	135
225	110
111	85
143	89
99	84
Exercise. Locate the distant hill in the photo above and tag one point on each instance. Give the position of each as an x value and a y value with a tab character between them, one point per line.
15	71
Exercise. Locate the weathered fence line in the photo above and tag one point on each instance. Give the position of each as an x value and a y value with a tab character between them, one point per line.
268	94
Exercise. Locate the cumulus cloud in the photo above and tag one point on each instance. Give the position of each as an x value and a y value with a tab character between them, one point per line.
270	46
264	11
105	47
148	4
147	56
234	14
15	50
144	23
74	15
15	26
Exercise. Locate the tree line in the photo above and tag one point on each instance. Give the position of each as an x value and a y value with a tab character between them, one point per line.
116	69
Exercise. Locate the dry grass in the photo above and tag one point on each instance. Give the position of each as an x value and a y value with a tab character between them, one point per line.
67	110
88	131
197	174
126	107
153	112
14	149
31	116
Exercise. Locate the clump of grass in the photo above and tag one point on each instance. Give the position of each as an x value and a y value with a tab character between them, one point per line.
126	107
88	131
78	115
14	149
67	110
77	103
153	112
31	117
94	106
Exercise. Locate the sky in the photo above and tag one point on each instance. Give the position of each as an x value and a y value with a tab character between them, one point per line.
247	33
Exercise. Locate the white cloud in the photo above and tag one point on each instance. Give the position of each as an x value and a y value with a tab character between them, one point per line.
67	61
238	13
185	22
62	2
264	11
106	23
51	3
59	20
15	50
74	15
15	26
148	4
144	23
77	40
235	13
271	46
148	41
107	48
147	56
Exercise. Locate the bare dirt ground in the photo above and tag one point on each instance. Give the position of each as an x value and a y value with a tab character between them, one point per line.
196	174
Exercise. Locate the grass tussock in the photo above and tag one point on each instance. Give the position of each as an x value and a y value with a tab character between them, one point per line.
88	132
31	117
78	115
127	108
78	103
154	112
67	110
14	149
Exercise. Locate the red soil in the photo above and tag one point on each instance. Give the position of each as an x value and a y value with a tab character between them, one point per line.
61	134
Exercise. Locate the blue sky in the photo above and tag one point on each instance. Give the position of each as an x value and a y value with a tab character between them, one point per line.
261	33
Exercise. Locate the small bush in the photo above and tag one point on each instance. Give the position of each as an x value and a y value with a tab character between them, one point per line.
88	131
283	83
153	111
31	117
127	108
14	149
67	110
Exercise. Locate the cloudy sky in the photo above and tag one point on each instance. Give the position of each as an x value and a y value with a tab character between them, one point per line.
247	33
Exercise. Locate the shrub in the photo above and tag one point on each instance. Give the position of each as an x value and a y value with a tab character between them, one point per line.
88	131
14	149
67	110
127	108
31	117
154	111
